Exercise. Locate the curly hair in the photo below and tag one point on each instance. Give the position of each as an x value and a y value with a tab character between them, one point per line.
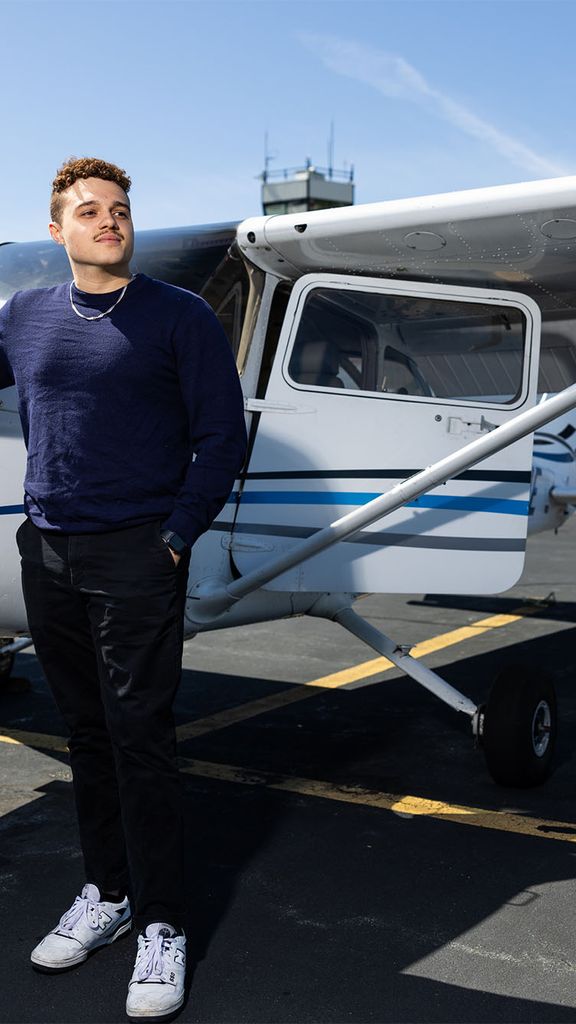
83	167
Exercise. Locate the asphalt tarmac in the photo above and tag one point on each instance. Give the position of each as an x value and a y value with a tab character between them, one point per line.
349	857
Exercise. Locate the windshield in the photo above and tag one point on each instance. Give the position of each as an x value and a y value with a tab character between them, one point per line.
185	257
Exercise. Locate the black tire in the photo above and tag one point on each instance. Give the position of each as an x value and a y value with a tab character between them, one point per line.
520	726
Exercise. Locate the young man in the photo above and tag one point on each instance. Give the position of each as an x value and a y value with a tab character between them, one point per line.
133	420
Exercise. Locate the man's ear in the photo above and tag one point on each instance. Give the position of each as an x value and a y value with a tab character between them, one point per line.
56	233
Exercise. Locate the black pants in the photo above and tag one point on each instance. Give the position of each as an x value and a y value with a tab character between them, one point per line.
105	611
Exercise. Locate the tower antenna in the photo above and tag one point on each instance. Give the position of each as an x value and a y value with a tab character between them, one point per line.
267	157
331	150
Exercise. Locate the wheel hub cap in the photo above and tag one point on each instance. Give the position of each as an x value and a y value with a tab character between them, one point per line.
541	726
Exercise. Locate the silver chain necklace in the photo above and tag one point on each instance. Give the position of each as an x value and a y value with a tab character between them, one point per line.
106	311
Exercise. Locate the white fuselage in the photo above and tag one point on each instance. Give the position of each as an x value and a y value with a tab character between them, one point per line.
378	340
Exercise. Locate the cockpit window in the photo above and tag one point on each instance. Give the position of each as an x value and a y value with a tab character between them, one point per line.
409	345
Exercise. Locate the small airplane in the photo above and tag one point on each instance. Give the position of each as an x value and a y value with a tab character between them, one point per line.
408	371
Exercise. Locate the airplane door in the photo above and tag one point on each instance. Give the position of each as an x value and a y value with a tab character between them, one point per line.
372	381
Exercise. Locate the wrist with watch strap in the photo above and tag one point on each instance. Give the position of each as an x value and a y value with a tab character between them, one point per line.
174	541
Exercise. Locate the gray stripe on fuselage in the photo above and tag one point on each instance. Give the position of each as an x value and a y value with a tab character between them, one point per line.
383	539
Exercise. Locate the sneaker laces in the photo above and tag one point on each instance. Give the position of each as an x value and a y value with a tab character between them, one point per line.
152	961
82	908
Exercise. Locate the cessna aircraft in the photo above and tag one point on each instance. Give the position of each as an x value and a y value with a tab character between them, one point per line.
385	351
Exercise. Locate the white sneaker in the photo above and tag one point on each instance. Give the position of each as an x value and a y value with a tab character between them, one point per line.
156	989
89	924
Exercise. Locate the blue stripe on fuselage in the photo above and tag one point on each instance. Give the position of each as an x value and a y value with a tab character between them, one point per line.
506	506
551	457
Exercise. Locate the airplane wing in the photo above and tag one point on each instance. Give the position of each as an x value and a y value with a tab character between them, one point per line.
517	237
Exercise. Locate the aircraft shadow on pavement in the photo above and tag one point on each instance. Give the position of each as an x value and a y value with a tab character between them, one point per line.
548	608
337	912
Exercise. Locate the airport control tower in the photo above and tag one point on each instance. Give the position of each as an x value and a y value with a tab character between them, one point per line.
297	189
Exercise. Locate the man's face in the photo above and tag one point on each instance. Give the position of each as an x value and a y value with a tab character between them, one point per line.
95	224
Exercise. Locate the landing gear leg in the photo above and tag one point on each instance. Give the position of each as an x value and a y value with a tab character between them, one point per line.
9	647
516	727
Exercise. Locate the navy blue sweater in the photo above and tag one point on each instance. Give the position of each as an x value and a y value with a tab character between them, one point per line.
134	417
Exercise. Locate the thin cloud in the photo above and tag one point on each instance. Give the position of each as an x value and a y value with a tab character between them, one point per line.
394	77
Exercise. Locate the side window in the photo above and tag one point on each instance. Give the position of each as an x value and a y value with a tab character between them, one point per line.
229	313
226	290
408	345
234	291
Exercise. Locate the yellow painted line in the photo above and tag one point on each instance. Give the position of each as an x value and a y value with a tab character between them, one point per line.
242	712
348	678
436	643
404	806
10	739
41	740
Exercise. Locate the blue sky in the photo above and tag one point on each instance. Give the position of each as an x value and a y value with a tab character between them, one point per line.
426	96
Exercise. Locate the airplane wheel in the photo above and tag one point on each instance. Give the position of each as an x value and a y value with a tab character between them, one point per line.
520	726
